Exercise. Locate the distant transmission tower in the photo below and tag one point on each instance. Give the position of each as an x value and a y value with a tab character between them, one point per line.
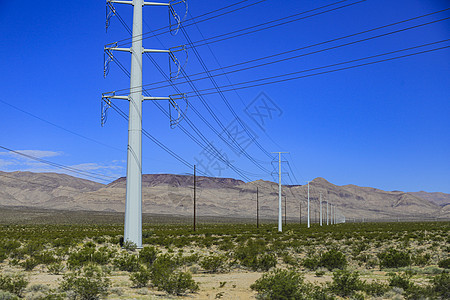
133	204
280	225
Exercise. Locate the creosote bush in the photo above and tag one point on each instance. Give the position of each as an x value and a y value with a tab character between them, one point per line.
88	283
345	283
393	258
213	263
15	284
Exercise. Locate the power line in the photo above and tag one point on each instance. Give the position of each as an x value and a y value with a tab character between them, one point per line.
202	42
308	53
209	18
64	167
227	88
216	153
58	126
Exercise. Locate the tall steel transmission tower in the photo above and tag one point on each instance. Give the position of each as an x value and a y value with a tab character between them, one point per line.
133	203
280	223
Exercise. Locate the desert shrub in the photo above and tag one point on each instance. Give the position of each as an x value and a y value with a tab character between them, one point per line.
29	264
333	259
148	255
441	285
88	283
126	262
421	259
4	295
213	263
393	258
88	255
55	268
445	263
402	280
141	277
178	283
13	283
311	262
345	283
45	257
280	284
162	267
165	276
375	288
255	255
289	259
3	255
129	246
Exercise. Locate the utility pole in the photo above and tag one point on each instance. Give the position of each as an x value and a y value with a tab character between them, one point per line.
300	213
257	208
285	211
195	199
280	225
309	225
320	211
133	203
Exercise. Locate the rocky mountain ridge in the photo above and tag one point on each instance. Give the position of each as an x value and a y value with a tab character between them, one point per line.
173	194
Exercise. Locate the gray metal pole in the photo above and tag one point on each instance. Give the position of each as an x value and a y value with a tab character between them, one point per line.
320	212
280	225
133	204
309	224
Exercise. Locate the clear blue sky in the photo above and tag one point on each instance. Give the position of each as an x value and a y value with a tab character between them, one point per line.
384	125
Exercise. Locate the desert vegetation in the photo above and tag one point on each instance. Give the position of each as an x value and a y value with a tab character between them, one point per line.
354	261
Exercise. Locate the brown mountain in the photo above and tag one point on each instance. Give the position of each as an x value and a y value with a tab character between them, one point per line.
224	197
438	198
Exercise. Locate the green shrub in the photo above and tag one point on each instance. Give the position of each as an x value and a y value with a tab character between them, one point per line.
333	259
88	283
141	277
393	258
148	255
445	263
254	255
422	260
162	267
213	263
4	295
345	283
280	284
375	288
311	263
127	262
400	280
178	283
129	246
29	264
15	284
89	255
441	285
55	268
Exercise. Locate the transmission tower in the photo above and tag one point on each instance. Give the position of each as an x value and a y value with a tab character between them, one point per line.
133	203
280	225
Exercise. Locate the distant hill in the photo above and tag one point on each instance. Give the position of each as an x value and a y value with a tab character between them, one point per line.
221	197
441	199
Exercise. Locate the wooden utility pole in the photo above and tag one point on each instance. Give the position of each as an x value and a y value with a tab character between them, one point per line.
257	207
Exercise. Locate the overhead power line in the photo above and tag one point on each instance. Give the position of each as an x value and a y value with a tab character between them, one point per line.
64	167
228	88
212	151
166	29
305	47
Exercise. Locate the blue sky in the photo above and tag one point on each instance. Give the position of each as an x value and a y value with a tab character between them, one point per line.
384	125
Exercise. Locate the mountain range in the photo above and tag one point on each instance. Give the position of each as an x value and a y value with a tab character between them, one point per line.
169	194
